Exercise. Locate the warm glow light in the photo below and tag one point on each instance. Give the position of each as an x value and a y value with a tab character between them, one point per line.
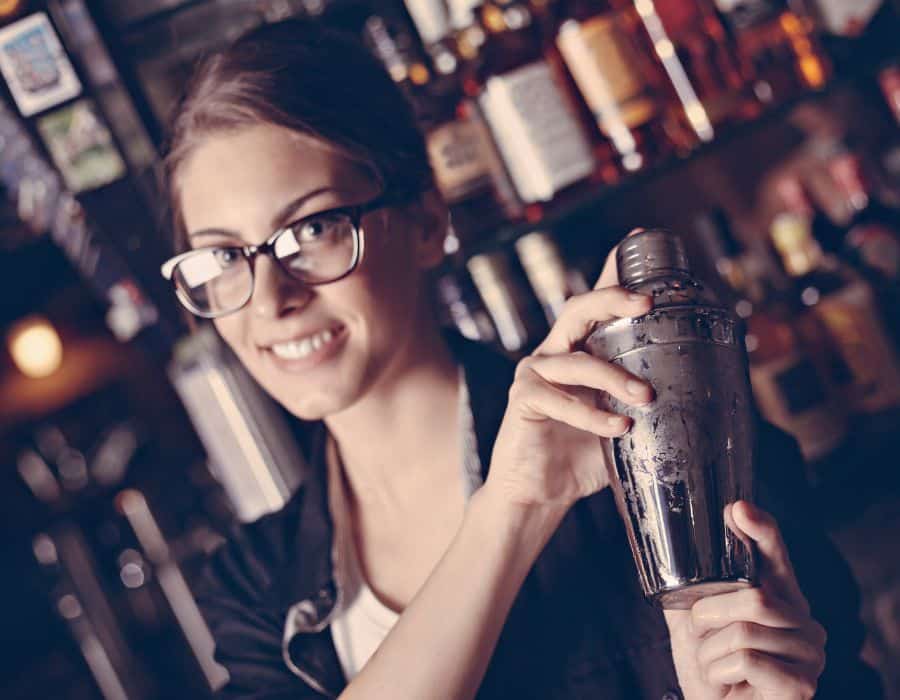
35	347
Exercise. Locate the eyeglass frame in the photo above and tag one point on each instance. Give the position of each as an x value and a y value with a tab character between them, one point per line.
267	247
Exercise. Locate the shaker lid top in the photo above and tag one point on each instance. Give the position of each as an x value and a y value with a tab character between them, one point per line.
650	253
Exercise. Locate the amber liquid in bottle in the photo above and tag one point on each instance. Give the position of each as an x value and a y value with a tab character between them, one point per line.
846	305
791	389
530	116
621	86
709	79
778	44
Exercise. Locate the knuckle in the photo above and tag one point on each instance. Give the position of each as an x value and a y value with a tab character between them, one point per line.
742	635
580	357
821	634
761	600
806	688
572	304
525	364
747	658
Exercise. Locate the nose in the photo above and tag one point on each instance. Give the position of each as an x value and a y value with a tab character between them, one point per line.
275	293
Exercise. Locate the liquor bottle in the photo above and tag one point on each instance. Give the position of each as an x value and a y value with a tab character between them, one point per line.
530	116
711	82
847	306
507	300
790	386
467	169
872	232
779	45
461	307
621	86
551	279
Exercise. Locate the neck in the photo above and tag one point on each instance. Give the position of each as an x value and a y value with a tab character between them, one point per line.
399	433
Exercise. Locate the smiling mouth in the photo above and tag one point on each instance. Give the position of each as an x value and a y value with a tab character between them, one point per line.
306	346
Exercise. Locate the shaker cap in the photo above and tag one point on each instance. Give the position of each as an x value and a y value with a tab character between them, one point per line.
650	253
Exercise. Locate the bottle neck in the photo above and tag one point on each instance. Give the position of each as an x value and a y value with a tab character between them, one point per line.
846	170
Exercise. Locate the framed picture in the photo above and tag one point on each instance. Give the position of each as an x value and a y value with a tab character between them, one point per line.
81	146
35	65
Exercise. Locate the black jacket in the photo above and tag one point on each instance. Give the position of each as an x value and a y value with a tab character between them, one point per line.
579	627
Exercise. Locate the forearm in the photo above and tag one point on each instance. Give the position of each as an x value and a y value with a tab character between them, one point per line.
443	641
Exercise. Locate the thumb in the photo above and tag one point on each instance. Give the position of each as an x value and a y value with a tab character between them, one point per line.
762	528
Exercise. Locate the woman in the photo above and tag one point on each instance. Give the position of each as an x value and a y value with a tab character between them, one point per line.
457	518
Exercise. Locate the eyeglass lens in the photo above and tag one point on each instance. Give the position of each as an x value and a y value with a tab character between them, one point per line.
316	250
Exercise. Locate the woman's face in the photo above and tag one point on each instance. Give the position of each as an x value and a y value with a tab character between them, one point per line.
234	189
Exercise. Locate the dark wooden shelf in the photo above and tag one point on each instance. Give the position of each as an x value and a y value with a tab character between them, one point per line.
594	199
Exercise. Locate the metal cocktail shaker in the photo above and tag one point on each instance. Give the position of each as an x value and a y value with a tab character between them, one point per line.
689	452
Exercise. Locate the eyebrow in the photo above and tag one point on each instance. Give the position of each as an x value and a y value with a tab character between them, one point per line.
280	219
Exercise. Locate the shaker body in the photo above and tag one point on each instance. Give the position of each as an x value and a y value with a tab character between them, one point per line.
689	452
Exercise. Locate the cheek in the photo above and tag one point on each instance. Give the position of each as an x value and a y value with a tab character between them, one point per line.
231	330
391	282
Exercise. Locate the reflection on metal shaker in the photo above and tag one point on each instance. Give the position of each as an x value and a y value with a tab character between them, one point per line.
689	453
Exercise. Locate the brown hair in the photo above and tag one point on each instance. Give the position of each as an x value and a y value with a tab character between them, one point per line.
311	79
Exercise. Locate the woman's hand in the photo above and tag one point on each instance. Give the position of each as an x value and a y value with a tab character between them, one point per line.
547	451
755	644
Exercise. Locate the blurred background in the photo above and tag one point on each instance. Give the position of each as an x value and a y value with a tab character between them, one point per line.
764	131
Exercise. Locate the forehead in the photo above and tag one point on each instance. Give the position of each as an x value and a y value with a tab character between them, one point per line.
238	179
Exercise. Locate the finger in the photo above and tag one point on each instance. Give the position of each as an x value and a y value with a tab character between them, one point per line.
763	530
765	673
786	644
582	313
582	369
757	605
538	400
609	277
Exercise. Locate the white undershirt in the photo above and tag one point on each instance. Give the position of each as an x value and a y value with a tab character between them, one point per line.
363	621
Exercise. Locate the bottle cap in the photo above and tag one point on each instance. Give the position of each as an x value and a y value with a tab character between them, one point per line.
650	253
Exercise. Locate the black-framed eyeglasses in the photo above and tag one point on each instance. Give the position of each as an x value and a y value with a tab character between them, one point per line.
318	249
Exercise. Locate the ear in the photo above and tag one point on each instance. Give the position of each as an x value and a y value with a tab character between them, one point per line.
432	216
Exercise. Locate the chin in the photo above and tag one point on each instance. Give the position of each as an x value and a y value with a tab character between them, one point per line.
316	406
316	397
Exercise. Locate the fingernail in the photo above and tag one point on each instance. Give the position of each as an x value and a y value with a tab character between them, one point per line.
635	388
618	423
634	296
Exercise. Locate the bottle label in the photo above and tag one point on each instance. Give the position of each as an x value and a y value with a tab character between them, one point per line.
542	144
431	19
800	387
790	393
741	14
852	320
604	63
458	156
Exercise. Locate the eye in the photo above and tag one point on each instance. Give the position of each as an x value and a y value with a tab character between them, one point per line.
312	230
226	257
321	229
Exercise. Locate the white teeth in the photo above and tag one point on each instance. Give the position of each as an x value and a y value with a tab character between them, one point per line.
297	349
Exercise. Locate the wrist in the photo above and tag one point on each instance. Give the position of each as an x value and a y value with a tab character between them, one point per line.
524	526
